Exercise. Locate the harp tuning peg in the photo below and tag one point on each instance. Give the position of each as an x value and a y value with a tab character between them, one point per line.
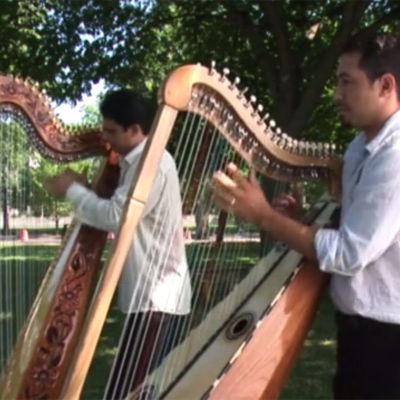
251	100
260	108
212	68
265	117
243	92
235	83
225	73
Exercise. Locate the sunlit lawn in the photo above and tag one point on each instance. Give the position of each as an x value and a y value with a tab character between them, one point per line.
310	379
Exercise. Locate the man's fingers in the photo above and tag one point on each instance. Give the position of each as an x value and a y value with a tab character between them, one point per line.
234	172
297	190
224	191
220	179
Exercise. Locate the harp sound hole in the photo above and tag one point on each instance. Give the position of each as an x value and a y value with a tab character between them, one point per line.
240	326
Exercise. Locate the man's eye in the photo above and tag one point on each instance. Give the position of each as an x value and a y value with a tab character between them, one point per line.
345	82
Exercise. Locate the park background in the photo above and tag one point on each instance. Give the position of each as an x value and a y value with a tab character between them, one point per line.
284	52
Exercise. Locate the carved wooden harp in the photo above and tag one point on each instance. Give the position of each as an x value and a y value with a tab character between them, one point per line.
43	349
205	121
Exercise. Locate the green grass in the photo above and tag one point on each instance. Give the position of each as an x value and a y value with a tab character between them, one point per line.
312	374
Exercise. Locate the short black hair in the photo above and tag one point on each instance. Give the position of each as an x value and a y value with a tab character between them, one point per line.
380	54
126	108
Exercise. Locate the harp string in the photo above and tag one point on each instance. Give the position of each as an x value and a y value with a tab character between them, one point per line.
219	252
21	269
152	261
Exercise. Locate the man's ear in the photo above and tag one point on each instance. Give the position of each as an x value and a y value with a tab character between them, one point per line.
135	129
388	84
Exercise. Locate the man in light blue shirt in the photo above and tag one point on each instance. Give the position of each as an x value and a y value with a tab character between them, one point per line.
363	254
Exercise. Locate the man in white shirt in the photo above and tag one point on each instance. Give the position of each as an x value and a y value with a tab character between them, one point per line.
154	287
363	254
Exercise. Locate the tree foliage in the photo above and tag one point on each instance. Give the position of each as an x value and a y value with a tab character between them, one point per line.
284	51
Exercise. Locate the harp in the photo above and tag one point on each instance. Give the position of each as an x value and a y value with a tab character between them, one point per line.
43	346
239	294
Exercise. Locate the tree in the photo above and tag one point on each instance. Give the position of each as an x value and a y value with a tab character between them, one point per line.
285	51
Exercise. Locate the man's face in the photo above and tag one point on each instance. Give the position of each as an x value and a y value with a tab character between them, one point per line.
358	99
122	140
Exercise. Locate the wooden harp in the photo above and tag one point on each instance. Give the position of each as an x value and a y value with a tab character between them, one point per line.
42	350
205	121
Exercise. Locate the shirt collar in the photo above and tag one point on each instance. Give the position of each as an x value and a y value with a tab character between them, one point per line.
134	153
385	133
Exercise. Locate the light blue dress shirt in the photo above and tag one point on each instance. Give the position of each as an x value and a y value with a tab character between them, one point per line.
363	255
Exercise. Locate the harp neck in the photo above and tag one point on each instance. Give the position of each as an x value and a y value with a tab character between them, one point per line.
257	139
23	100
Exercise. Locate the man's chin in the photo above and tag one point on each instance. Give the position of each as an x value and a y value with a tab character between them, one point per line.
345	122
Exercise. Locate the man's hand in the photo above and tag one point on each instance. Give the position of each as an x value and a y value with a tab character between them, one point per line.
58	185
243	196
233	192
290	204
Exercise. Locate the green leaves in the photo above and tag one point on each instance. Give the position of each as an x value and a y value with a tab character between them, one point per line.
285	52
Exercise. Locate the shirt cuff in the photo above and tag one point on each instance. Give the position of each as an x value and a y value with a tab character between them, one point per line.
323	242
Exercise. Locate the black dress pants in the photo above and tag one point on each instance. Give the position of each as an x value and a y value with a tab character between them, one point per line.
368	359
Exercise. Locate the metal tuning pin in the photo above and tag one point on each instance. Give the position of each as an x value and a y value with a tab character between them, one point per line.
249	103
260	109
224	75
272	124
242	93
212	68
320	149
265	118
252	101
235	83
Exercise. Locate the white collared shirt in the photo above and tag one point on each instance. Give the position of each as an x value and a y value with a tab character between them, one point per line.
364	254
155	275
